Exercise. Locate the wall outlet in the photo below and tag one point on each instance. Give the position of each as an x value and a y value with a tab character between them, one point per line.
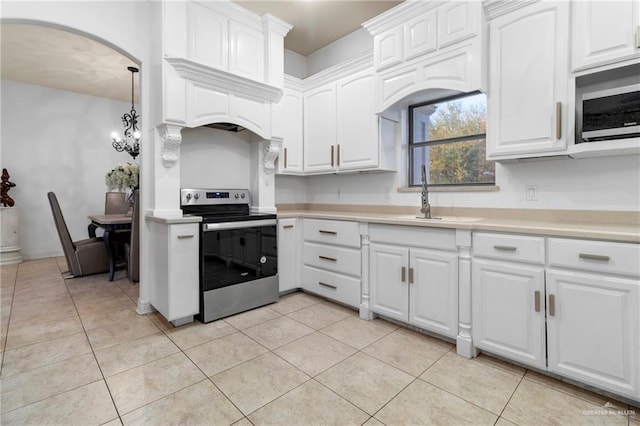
531	193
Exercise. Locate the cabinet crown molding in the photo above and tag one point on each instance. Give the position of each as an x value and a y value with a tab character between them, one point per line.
224	81
357	63
399	15
495	8
276	24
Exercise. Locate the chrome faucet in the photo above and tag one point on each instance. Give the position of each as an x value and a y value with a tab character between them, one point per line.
426	207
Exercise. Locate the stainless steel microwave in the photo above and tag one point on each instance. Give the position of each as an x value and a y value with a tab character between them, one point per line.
611	114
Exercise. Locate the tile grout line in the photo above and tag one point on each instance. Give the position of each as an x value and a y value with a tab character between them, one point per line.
93	352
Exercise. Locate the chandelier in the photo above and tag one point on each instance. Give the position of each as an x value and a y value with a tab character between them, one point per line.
131	140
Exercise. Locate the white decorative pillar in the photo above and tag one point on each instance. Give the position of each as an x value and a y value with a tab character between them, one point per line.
166	182
263	193
464	341
274	31
365	300
10	243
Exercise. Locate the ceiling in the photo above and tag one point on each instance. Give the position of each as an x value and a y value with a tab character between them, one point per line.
62	60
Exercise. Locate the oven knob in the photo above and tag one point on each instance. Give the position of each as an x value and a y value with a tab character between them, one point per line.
188	196
196	196
242	195
237	195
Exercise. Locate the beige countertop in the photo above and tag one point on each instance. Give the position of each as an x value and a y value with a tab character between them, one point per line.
611	226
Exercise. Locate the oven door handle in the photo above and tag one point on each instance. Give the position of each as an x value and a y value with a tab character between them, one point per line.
238	225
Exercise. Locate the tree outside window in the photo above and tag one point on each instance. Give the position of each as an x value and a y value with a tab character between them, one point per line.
448	136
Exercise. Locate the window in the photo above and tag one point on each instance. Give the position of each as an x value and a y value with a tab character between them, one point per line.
448	136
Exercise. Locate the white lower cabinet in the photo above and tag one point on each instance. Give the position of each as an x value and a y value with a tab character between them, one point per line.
585	294
174	289
508	310
593	313
288	249
331	257
415	285
508	296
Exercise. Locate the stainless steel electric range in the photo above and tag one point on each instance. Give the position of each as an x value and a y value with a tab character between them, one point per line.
238	252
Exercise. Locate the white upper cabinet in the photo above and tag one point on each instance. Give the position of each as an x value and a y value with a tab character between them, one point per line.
208	37
528	81
288	124
388	49
457	21
342	133
320	129
604	32
356	123
422	45
420	35
246	51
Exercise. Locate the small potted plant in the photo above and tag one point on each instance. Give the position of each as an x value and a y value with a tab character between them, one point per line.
124	178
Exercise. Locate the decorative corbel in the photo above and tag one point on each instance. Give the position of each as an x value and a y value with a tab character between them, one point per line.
171	139
271	151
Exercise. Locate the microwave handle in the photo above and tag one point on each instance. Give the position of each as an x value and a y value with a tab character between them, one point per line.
558	120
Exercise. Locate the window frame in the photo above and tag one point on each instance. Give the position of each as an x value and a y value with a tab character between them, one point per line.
411	144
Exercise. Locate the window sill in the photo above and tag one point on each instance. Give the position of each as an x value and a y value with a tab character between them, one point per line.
462	188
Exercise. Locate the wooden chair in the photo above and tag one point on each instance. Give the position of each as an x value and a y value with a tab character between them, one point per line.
84	257
132	247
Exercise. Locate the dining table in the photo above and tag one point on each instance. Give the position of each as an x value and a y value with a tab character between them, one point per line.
112	224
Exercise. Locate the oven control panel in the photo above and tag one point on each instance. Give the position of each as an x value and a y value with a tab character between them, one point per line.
204	197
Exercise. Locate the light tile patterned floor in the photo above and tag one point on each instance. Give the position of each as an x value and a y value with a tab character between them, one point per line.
75	352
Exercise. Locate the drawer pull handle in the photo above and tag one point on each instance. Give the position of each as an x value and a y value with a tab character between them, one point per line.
552	305
327	285
536	300
287	226
594	257
338	151
410	275
182	237
322	231
505	248
403	274
558	120
285	158
330	259
331	155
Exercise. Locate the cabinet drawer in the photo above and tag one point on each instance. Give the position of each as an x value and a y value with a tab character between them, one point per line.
618	258
516	248
413	236
337	259
332	232
331	285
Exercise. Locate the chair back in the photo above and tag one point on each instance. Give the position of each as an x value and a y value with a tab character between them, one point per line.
63	233
134	250
115	203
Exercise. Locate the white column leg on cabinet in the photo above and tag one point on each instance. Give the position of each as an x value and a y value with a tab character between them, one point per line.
464	341
365	306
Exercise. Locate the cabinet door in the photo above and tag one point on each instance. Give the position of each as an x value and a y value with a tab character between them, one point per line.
420	35
593	329
246	51
356	123
288	248
387	48
389	280
528	81
290	160
433	291
320	129
508	310
208	38
604	32
457	21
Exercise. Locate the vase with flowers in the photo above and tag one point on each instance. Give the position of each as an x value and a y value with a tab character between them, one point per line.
124	178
